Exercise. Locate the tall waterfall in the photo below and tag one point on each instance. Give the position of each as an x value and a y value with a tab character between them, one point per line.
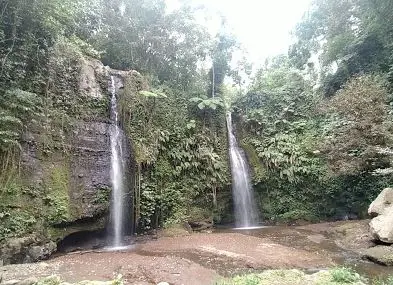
243	196
117	172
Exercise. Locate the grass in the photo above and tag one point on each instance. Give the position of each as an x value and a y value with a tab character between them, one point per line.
334	276
383	281
344	275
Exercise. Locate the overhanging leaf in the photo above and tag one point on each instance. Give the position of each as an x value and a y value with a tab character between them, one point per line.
152	95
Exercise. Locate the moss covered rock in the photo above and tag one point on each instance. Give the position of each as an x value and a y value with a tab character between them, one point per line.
380	254
63	185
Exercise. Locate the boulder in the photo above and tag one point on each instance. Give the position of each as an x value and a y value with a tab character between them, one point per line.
381	226
25	250
201	225
13	250
380	254
383	201
40	252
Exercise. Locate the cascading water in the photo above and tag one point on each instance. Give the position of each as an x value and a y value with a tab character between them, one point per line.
117	172
245	209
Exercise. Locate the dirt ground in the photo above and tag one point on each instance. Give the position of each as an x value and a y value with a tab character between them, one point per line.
203	258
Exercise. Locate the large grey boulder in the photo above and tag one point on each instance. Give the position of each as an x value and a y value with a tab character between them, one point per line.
380	254
25	250
383	201
40	252
381	209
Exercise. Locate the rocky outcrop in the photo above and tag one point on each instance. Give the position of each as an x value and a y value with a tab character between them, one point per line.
67	166
90	164
199	226
79	171
92	69
26	249
381	209
380	254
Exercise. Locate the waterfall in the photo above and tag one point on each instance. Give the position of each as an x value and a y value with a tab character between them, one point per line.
245	209
117	172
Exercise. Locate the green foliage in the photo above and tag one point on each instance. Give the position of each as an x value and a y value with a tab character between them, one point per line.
208	103
29	30
279	127
171	46
311	158
102	196
180	163
351	37
343	275
251	279
223	47
16	108
50	280
355	144
335	276
298	214
151	94
43	47
307	153
284	154
383	281
16	219
15	223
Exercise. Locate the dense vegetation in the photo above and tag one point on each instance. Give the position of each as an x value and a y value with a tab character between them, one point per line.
316	123
176	130
317	132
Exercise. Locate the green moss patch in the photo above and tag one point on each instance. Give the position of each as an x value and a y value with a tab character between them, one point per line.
102	196
57	199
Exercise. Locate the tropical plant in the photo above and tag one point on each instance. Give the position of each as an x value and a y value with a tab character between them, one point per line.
208	103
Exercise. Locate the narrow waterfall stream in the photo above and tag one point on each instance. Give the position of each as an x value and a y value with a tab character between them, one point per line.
246	214
117	173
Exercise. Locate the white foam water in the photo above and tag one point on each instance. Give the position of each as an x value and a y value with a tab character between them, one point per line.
246	215
117	172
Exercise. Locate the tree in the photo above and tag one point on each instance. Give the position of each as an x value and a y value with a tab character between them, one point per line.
170	48
351	37
221	55
363	129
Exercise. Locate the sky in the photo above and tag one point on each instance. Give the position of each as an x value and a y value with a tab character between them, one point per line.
262	26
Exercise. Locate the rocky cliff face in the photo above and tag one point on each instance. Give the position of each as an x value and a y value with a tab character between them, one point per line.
72	182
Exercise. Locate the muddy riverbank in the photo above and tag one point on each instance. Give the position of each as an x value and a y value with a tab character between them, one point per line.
202	258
